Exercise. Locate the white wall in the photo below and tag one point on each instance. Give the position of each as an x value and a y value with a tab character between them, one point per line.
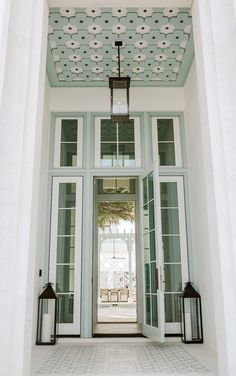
201	261
98	99
42	246
20	142
215	53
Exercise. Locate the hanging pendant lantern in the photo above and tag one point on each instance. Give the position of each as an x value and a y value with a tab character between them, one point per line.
47	317
191	315
119	94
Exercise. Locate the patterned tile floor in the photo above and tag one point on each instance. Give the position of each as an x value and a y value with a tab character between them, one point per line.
122	357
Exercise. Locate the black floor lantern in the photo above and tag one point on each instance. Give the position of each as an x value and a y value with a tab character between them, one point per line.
47	317
191	315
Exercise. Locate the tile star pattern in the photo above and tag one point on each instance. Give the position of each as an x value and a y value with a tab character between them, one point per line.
157	48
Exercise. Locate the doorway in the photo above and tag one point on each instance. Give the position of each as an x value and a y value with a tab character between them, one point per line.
115	256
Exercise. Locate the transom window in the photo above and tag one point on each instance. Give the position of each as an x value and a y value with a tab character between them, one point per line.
116	186
117	144
68	142
166	141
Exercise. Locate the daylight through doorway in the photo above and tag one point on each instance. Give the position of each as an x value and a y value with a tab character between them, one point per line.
116	295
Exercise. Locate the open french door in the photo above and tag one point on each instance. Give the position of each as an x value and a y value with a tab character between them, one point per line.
65	250
174	246
154	313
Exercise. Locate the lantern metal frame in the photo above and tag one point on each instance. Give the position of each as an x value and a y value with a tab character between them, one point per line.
47	294
190	293
119	83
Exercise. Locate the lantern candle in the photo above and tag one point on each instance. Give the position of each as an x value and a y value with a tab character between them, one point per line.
188	327
46	327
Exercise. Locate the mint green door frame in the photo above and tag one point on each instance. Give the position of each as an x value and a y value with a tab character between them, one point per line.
118	197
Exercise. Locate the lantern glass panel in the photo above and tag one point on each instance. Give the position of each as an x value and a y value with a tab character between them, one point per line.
120	101
194	317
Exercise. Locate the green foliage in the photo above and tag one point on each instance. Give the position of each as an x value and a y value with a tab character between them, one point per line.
113	212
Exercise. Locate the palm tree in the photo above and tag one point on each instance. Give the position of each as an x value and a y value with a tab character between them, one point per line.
113	212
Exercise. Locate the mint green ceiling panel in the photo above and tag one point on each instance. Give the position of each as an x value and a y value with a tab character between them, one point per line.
157	45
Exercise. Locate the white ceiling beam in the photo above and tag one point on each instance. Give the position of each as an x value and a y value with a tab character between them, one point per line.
122	3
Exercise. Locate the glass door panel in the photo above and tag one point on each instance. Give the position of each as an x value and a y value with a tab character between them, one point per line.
154	299
174	247
65	250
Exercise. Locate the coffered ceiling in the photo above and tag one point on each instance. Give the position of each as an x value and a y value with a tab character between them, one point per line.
157	45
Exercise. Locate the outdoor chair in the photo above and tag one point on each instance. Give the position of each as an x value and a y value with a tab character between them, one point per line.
124	294
104	295
114	295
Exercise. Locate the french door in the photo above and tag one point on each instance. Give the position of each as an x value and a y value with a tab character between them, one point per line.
65	250
154	315
174	247
164	247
